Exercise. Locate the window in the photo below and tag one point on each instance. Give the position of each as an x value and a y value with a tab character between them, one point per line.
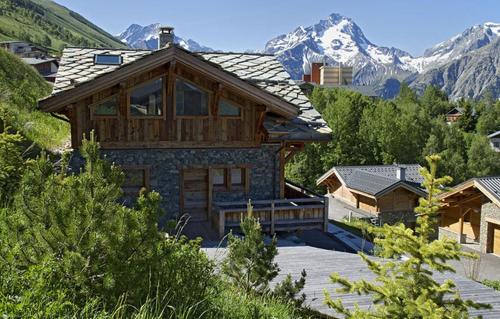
228	109
108	59
219	176
229	179
190	100
147	99
237	176
136	178
107	107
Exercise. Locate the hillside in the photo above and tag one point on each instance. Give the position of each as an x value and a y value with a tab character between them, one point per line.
49	24
20	88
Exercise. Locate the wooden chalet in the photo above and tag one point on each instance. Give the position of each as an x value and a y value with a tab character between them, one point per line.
207	130
470	213
381	193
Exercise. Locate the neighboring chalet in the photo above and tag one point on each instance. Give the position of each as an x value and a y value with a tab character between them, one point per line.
383	193
34	55
495	141
47	67
24	49
208	131
471	214
454	114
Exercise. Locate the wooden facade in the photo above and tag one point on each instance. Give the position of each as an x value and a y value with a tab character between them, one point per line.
397	200
169	130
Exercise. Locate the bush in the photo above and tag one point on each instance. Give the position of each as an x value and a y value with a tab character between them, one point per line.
90	247
495	284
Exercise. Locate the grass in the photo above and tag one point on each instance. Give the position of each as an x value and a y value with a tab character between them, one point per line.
21	87
51	25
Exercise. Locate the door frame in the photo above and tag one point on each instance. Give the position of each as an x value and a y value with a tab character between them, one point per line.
491	224
209	188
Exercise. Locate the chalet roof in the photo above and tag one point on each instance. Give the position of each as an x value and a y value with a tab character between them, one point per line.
489	186
260	70
377	180
35	61
495	134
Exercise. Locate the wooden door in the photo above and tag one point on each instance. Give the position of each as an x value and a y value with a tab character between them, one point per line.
495	245
195	199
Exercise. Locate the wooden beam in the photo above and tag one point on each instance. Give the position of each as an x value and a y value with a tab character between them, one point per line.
282	173
461	225
259	135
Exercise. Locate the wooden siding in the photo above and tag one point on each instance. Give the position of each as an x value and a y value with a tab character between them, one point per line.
168	130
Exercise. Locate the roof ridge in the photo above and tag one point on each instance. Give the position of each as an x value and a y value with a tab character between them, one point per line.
375	165
107	48
234	52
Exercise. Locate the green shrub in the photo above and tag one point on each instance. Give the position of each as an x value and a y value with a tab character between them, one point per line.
495	284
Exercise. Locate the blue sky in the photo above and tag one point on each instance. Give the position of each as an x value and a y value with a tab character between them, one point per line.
411	25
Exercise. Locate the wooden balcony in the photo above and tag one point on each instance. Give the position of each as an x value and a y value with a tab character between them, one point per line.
309	211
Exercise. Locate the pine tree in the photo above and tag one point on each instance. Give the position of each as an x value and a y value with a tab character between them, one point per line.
406	288
250	265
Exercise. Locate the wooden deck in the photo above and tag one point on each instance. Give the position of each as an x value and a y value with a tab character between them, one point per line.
319	263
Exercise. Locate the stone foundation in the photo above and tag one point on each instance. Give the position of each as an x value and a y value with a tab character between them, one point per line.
488	210
166	165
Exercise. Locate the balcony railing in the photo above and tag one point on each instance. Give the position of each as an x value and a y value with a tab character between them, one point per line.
307	212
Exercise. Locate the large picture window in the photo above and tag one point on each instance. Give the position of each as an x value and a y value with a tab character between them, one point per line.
108	107
147	99
190	100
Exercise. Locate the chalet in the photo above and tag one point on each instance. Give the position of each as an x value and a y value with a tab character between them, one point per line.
47	67
454	114
24	49
470	213
495	141
207	130
383	193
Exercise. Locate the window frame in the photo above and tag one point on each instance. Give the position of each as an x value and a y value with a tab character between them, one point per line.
163	99
95	104
146	169
228	186
174	99
233	103
120	57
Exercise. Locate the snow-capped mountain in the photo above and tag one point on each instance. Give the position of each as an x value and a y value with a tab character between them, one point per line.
338	39
456	47
146	37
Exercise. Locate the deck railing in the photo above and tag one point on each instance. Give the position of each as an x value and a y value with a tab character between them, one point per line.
274	215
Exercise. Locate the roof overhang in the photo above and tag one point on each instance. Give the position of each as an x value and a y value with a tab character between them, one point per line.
463	187
156	59
323	178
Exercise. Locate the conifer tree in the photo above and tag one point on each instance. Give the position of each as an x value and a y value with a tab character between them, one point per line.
405	288
250	264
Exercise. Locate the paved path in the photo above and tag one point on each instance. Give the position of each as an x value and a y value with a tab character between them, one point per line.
355	242
320	263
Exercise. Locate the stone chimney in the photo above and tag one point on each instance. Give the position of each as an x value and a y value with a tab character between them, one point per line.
165	36
401	173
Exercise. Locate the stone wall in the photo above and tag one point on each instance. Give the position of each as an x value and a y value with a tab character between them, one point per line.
488	210
166	165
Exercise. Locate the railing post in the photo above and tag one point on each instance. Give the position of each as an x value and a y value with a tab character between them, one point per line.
325	214
222	223
272	217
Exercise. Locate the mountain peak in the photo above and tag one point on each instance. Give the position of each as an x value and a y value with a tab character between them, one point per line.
146	37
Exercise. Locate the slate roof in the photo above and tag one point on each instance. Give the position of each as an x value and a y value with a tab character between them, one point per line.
491	184
495	134
261	70
376	180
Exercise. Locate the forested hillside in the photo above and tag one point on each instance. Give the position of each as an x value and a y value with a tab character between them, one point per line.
20	88
405	130
49	24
